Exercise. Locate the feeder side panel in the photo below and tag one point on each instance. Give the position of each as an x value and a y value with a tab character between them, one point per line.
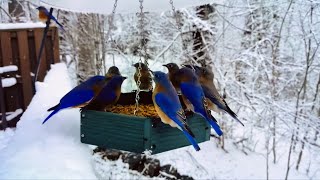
114	131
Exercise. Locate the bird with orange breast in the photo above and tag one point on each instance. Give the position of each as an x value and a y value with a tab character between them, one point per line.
168	107
145	76
44	15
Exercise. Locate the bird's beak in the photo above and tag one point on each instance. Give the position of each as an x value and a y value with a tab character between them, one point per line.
124	78
151	72
134	65
165	65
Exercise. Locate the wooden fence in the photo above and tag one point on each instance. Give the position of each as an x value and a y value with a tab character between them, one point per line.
20	47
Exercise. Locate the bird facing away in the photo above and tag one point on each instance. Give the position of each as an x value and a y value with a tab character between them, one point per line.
109	94
44	15
198	70
145	79
79	95
168	107
112	71
172	69
192	91
206	77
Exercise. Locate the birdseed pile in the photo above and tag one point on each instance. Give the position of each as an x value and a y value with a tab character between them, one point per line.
144	110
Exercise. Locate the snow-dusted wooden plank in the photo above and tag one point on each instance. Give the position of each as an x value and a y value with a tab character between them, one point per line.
30	25
12	115
25	67
8	82
38	33
10	68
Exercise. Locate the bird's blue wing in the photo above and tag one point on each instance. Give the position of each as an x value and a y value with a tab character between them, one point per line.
76	97
165	104
211	97
191	90
106	96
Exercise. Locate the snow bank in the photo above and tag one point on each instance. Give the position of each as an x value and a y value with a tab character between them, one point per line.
52	150
28	25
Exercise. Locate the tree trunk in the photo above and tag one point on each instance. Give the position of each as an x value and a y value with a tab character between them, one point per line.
16	10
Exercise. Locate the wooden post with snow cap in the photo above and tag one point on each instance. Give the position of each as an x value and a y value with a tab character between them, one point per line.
5	69
4	123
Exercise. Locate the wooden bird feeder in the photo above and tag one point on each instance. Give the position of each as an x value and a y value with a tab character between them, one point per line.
137	134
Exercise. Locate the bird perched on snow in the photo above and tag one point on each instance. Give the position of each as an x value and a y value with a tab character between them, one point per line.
206	77
168	107
193	94
145	79
109	94
172	69
80	95
112	71
44	15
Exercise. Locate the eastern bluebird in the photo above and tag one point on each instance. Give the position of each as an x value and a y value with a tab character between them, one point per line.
112	71
168	107
206	77
198	70
44	15
80	95
145	79
172	69
109	94
192	90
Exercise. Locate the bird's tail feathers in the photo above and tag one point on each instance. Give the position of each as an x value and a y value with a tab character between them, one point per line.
215	126
224	106
192	141
51	114
54	107
232	114
60	25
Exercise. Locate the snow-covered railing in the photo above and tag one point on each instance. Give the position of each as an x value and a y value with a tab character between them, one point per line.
8	82
20	44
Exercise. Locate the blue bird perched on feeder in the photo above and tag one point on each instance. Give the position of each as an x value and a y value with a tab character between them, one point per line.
168	107
206	78
80	95
44	15
109	94
193	95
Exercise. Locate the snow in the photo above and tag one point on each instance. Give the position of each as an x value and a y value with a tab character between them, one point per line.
27	25
12	115
52	150
8	68
8	82
124	6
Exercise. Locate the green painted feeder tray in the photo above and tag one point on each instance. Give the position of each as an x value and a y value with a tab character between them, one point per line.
137	134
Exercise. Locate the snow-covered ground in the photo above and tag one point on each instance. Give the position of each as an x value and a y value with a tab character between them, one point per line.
54	151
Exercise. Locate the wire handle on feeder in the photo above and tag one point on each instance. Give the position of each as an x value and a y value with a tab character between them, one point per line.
142	44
